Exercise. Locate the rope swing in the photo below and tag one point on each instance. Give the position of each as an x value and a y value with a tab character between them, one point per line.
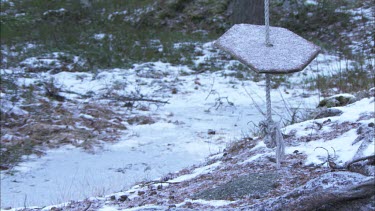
287	53
270	129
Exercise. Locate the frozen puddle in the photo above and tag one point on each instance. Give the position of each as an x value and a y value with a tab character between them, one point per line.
146	152
149	152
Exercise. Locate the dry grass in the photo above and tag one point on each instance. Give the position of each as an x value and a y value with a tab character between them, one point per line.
51	124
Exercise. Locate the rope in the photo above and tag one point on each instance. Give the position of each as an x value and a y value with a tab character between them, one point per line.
270	129
273	138
267	21
268	97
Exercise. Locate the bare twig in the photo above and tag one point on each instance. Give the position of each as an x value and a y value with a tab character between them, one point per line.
255	104
24	201
330	161
88	206
334	151
211	89
359	159
324	149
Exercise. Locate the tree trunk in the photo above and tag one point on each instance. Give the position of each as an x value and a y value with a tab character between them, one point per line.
248	11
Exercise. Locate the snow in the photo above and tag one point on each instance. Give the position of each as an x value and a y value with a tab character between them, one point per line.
178	139
332	179
342	145
59	11
9	107
108	208
38	62
48	208
346	95
144	152
197	172
260	145
251	159
149	206
312	2
99	36
350	111
213	203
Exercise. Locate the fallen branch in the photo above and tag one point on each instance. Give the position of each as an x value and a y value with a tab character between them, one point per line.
365	168
332	189
360	159
330	160
138	99
156	182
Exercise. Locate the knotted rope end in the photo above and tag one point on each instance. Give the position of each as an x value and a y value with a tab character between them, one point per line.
273	137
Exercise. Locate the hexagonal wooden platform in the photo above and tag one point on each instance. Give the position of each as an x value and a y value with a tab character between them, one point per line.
289	53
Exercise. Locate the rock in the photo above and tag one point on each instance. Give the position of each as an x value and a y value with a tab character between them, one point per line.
189	205
362	94
372	91
141	193
123	198
211	132
327	112
337	100
2	167
174	90
365	93
171	206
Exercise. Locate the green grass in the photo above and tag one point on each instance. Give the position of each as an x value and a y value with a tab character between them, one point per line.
73	32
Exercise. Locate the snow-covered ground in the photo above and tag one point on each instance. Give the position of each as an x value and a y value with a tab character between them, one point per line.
339	133
209	111
205	112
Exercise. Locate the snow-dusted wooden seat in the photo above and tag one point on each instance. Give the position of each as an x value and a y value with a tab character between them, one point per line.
288	53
